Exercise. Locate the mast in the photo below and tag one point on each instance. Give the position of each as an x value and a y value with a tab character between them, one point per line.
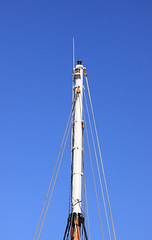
77	150
76	219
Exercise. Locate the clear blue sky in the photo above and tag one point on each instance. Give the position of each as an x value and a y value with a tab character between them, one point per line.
114	41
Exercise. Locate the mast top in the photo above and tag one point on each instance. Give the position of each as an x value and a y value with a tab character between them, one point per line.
79	62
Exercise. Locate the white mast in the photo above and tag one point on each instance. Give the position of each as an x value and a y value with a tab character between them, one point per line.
77	139
76	218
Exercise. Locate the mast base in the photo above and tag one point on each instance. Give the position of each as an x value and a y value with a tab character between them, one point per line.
74	223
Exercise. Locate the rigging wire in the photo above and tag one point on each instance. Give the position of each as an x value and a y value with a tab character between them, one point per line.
93	174
98	167
71	112
62	148
53	175
85	190
55	180
72	132
72	141
100	156
84	186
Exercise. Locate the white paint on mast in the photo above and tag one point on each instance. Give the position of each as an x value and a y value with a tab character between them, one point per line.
77	143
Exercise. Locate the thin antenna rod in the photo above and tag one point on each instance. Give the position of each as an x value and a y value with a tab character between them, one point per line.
73	54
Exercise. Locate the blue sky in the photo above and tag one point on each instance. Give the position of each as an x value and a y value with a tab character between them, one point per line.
113	39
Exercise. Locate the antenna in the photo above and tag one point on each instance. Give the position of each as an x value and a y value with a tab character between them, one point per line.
73	54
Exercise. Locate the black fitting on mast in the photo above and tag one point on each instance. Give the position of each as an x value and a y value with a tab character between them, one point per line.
71	223
77	216
79	62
